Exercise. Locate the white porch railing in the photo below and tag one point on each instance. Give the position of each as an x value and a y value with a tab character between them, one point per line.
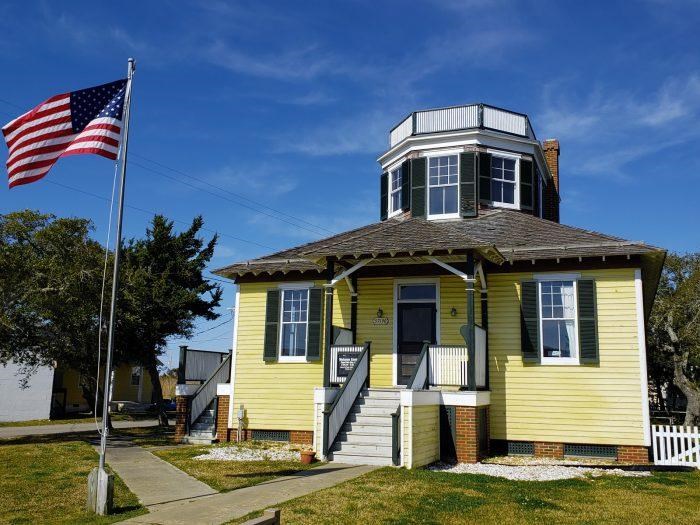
341	349
448	365
676	445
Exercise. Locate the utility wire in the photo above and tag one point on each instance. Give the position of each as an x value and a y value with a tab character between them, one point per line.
280	214
85	192
237	195
220	196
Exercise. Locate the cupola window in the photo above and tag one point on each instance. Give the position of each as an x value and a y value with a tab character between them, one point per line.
504	181
396	183
443	181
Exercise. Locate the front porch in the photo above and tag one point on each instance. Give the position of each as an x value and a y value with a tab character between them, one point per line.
417	390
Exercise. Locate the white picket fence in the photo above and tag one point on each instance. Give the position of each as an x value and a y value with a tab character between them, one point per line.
676	445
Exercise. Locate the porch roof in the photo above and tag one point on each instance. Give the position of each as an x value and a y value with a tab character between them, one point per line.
497	235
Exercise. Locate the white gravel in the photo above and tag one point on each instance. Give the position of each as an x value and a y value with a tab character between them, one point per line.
235	453
535	472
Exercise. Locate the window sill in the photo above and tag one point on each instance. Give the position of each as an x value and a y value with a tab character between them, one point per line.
504	205
394	214
292	359
445	216
560	361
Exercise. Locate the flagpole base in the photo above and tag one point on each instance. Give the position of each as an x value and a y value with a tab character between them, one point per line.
100	496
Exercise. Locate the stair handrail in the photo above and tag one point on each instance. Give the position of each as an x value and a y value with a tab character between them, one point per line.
207	390
396	437
335	416
419	378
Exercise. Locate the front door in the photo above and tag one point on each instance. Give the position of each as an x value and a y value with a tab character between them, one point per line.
416	324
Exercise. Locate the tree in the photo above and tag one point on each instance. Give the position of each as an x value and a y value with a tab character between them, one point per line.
51	275
164	293
674	330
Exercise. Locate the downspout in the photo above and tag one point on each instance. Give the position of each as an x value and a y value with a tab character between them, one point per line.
234	344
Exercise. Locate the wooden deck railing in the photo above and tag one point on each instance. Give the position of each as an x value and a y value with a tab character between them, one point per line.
448	364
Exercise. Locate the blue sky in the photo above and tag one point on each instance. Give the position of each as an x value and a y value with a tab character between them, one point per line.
282	108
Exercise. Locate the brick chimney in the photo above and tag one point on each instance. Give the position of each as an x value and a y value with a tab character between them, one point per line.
551	197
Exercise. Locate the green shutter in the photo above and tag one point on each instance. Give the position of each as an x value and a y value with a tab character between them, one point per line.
272	319
484	176
313	350
587	331
529	322
418	175
526	185
405	186
383	196
536	192
467	185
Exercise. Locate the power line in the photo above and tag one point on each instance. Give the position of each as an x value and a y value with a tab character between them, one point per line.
280	214
213	327
237	195
151	212
218	195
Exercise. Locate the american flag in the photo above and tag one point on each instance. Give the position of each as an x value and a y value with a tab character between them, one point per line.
75	123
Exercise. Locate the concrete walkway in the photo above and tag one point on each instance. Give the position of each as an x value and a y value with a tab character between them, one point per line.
41	430
153	480
221	508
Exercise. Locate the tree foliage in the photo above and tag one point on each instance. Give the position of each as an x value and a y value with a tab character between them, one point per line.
164	292
674	331
50	284
51	276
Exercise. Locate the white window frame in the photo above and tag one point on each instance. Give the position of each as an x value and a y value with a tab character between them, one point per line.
293	287
574	359
516	196
399	190
428	156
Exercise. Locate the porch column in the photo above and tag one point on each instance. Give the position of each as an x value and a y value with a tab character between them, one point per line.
485	318
328	324
353	308
471	338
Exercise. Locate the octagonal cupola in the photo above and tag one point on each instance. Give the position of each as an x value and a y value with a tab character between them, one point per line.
451	163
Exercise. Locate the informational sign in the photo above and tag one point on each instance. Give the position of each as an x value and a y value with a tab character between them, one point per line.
346	362
380	321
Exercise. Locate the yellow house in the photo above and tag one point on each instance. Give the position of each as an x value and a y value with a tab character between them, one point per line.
131	384
467	321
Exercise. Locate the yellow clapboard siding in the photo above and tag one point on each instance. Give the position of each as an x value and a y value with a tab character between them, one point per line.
276	396
377	293
575	404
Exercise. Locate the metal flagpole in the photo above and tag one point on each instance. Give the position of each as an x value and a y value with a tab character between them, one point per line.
103	500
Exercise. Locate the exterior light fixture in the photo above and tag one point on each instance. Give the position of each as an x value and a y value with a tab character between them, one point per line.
453	312
380	313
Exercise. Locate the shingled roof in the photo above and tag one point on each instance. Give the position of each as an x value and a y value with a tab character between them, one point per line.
498	235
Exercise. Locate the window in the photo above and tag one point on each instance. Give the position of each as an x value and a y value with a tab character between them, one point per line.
417	292
443	182
294	322
395	184
558	320
135	375
504	181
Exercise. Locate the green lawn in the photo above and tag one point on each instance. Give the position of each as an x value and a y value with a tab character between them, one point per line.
397	496
47	483
229	475
74	420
